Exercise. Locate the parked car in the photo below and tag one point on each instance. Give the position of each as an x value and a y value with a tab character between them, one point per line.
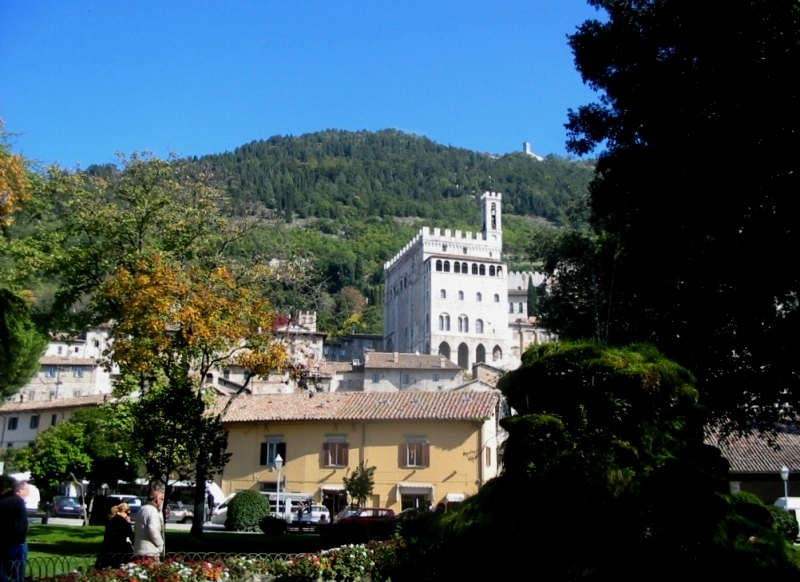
306	517
132	500
220	513
360	524
64	506
135	503
180	512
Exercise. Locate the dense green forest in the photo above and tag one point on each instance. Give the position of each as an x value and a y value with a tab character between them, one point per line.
348	202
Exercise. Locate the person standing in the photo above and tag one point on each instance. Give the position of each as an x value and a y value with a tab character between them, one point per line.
13	533
149	528
117	548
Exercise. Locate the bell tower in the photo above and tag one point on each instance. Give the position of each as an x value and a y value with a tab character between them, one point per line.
491	211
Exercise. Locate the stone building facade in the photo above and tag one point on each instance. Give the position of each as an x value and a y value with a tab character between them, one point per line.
447	293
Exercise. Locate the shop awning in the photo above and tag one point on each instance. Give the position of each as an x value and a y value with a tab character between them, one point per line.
414	488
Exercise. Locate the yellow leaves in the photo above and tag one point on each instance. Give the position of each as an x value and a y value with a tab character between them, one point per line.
15	187
168	314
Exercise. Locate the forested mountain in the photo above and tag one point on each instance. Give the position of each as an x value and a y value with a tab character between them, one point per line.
343	175
348	201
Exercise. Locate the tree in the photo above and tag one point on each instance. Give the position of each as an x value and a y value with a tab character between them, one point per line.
15	187
94	445
695	189
109	441
21	344
174	325
57	454
360	483
145	244
615	435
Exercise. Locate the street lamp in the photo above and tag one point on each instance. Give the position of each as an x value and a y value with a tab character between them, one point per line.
279	466
785	477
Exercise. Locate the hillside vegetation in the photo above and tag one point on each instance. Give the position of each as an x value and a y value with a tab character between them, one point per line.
349	201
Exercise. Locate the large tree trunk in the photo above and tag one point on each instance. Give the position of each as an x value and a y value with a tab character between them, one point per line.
199	497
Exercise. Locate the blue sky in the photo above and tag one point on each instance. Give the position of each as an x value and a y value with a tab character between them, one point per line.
81	80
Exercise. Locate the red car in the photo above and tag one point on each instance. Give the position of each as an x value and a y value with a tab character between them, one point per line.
372	522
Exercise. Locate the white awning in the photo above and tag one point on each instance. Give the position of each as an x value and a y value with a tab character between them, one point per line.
332	488
414	488
454	497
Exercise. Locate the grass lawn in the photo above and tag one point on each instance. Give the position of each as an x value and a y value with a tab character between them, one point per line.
51	541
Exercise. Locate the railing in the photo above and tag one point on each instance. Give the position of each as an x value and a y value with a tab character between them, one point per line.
50	566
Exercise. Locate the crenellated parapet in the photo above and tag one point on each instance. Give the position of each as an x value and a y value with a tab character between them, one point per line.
520	279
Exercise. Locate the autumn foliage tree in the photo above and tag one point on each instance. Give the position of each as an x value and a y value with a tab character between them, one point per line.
145	244
21	344
176	324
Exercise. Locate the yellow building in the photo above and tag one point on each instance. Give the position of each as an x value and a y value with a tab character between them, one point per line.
428	447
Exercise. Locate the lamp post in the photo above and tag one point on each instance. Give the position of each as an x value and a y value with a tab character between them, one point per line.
785	477
279	466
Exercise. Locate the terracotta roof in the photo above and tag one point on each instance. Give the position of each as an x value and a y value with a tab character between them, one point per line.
333	367
362	406
34	405
62	361
753	454
406	361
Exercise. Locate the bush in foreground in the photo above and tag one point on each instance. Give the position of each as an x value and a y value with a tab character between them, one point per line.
246	510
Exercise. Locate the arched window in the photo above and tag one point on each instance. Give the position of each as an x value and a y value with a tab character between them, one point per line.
464	268
441	323
461	296
466	324
474	268
439	265
491	271
520	307
496	298
460	323
478	326
456	267
482	270
447	266
510	307
499	271
478	297
443	294
447	322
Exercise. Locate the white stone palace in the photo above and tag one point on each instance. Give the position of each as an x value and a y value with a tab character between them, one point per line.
447	293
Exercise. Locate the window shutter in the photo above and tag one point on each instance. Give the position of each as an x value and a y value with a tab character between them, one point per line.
280	449
426	455
326	454
263	456
346	454
403	456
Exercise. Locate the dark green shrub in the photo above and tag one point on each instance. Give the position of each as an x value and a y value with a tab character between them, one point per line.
785	522
246	510
273	525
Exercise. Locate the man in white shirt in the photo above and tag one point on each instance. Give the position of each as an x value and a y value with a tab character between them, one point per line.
148	531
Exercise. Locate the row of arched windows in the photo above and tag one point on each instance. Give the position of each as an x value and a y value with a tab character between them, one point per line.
464	268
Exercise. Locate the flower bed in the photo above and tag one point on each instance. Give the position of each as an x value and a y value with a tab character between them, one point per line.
371	561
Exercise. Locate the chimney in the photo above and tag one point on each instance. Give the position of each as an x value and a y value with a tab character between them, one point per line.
441	362
396	357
